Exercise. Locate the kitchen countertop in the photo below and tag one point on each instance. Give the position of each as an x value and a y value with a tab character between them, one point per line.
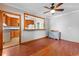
11	28
32	29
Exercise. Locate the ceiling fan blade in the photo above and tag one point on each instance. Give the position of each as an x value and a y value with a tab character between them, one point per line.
52	4
58	5
59	9
46	12
47	7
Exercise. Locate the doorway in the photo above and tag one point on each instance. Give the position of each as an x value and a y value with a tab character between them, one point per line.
11	29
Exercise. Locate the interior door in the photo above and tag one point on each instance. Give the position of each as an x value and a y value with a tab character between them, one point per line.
1	30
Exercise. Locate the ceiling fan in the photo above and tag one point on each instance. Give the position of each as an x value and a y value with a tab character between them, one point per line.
53	8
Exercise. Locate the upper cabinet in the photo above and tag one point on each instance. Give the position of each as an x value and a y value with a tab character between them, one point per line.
11	20
32	22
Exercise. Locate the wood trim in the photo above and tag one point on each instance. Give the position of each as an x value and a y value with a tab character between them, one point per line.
33	29
34	15
12	13
20	31
1	30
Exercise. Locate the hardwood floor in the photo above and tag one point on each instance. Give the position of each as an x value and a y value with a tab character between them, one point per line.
43	47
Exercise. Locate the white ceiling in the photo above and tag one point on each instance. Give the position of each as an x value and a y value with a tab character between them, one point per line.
38	9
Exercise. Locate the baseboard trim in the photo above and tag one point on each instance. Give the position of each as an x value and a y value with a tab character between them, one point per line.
69	41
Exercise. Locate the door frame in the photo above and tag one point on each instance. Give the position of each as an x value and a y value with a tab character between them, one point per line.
19	24
1	30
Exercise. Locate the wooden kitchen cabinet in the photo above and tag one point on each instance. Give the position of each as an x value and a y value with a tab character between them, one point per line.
9	21
28	22
14	33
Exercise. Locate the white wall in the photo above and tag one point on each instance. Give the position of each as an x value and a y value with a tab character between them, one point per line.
68	25
31	35
26	35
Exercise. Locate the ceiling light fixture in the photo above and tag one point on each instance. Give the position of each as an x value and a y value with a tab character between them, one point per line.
52	11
